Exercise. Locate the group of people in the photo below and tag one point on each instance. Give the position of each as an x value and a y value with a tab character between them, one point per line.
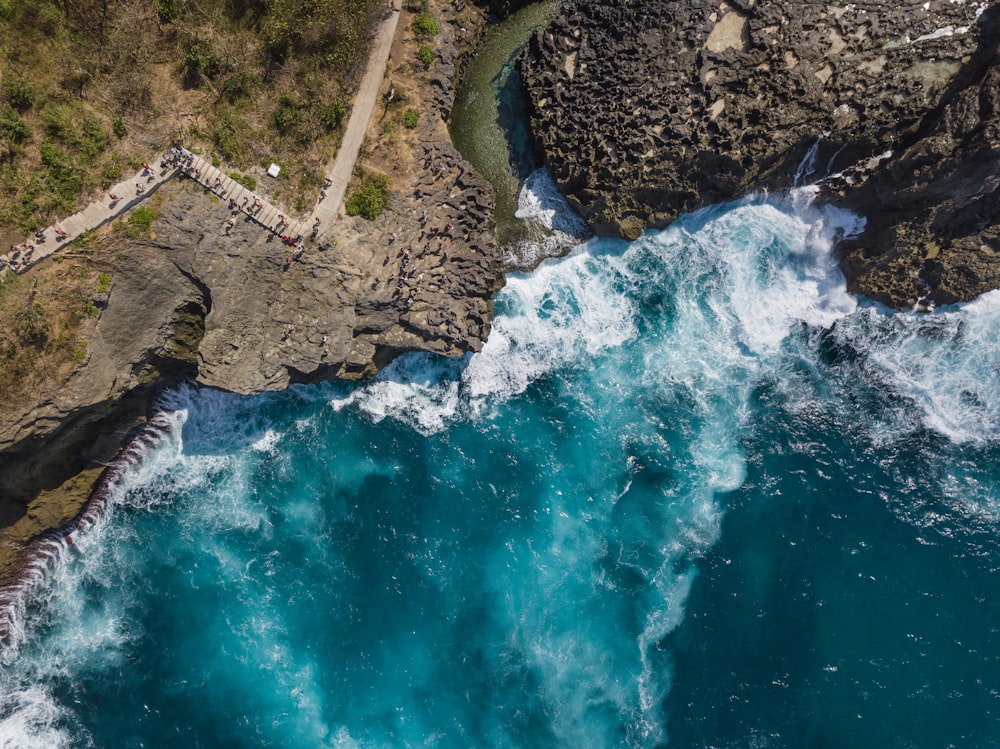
407	270
253	210
177	157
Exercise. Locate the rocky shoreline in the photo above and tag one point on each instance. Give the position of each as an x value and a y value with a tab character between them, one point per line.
229	308
648	110
643	112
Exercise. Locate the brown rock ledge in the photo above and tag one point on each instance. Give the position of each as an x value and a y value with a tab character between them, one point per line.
234	311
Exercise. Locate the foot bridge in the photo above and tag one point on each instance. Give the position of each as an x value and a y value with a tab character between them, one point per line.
128	194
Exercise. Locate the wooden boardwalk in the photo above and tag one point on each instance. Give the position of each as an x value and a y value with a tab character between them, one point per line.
131	192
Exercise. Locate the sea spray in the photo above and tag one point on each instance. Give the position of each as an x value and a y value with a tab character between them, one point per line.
551	227
513	548
42	556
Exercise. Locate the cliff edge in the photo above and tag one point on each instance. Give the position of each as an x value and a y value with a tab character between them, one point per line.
209	295
647	110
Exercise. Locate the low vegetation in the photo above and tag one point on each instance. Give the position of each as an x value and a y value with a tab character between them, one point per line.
425	25
244	179
90	87
41	333
139	222
425	55
369	197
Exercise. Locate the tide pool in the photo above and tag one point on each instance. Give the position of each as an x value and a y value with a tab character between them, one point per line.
691	493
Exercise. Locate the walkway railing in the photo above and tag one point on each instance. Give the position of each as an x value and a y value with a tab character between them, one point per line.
128	194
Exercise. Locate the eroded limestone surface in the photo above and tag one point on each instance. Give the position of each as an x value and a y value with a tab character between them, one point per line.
674	105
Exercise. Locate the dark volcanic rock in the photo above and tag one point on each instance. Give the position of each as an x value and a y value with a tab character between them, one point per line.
649	109
933	209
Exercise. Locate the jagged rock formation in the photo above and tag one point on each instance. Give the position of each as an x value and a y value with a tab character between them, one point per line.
648	109
235	311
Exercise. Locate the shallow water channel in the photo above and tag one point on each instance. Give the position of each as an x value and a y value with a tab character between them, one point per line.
489	122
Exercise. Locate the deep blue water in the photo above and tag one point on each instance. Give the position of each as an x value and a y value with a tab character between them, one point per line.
690	494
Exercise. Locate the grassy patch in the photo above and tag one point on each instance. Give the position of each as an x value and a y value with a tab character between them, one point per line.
244	179
424	25
140	220
40	319
104	283
410	118
425	54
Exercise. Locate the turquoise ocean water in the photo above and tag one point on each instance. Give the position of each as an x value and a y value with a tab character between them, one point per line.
690	494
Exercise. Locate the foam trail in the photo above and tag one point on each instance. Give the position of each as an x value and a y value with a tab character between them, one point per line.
30	719
807	167
946	364
43	556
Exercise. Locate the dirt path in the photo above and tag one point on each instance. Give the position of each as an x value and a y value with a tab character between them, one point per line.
339	172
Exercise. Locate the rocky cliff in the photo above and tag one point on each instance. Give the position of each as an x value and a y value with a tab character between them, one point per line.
232	309
236	312
648	109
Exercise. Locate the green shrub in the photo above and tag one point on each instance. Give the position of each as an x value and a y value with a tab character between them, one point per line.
228	136
368	200
139	221
62	177
76	125
111	173
200	61
304	122
332	115
118	128
410	118
289	116
166	10
84	242
425	25
241	84
104	283
90	309
16	91
12	126
426	55
244	179
60	121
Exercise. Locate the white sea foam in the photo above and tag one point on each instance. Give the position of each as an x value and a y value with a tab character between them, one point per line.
562	315
742	278
946	364
738	282
556	228
31	719
88	637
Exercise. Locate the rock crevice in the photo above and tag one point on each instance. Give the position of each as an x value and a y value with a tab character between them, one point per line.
647	110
